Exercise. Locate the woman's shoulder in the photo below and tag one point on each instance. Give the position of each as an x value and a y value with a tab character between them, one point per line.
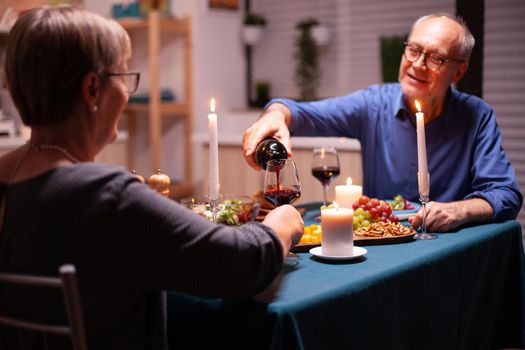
8	163
92	172
89	180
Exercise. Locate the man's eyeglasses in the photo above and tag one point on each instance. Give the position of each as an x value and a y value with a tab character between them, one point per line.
433	61
130	79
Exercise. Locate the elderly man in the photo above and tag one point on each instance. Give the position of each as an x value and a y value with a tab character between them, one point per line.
471	178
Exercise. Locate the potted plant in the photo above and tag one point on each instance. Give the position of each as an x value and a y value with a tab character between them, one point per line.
253	27
262	93
307	71
391	52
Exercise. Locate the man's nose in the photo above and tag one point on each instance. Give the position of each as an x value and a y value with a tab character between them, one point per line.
421	61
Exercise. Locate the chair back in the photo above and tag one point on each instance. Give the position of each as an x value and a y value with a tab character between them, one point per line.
67	283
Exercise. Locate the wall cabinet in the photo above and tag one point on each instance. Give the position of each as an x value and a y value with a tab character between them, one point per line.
155	109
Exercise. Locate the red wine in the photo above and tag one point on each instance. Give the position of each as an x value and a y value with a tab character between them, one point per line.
325	174
269	149
281	196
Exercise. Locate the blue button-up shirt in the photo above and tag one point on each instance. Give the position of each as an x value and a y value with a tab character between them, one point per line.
464	150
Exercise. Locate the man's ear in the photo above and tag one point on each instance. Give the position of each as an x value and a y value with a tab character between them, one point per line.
460	72
91	89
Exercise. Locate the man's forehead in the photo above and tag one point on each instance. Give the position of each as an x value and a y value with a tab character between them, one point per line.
438	25
437	31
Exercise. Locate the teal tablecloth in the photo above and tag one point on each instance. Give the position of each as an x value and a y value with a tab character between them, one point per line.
464	290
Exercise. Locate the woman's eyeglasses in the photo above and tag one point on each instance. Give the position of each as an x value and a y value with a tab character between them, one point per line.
130	79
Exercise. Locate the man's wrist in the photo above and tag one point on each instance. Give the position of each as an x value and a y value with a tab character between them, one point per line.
281	110
475	210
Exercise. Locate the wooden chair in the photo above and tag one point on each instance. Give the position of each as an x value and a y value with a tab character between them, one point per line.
67	282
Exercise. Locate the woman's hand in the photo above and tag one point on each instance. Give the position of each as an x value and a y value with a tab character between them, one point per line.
287	223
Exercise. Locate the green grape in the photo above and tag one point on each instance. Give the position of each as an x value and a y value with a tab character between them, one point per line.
358	218
365	223
367	214
359	211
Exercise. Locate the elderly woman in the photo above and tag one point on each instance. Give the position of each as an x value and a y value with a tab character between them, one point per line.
66	70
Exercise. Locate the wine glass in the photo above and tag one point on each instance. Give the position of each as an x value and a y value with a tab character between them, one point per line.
282	186
281	182
325	167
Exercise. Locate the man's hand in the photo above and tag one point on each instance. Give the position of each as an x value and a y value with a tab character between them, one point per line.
442	217
273	122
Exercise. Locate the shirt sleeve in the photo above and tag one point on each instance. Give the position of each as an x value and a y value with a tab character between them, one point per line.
493	177
169	247
342	116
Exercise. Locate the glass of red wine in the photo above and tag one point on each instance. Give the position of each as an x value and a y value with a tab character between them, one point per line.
281	182
325	167
282	186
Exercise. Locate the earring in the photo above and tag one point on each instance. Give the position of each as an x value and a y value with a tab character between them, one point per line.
94	109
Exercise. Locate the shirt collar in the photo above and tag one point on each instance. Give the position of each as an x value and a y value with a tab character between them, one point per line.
401	109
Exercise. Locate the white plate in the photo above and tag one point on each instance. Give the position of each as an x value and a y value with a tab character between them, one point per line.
358	251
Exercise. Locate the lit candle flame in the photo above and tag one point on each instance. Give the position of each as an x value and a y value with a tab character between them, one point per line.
212	105
349	181
336	206
418	106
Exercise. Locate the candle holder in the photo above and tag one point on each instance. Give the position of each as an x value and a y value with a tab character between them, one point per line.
424	199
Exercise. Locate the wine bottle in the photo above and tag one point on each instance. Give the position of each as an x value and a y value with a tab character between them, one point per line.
269	149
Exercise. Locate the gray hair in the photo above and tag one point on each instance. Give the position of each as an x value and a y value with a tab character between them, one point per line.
467	41
50	50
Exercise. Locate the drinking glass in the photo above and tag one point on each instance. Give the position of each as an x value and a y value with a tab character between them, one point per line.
325	167
282	186
281	182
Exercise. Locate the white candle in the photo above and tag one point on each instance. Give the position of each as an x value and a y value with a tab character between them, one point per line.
214	185
338	231
346	195
422	174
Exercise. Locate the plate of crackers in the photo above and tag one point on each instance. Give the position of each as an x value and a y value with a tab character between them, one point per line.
375	234
383	233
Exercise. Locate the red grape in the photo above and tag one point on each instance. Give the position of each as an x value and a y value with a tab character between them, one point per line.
375	210
363	200
374	202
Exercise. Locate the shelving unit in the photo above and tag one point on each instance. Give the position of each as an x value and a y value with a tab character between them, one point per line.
156	25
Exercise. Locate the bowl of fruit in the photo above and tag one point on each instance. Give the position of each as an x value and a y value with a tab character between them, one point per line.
369	210
231	209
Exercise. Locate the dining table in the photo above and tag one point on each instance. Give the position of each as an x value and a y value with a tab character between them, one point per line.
463	290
